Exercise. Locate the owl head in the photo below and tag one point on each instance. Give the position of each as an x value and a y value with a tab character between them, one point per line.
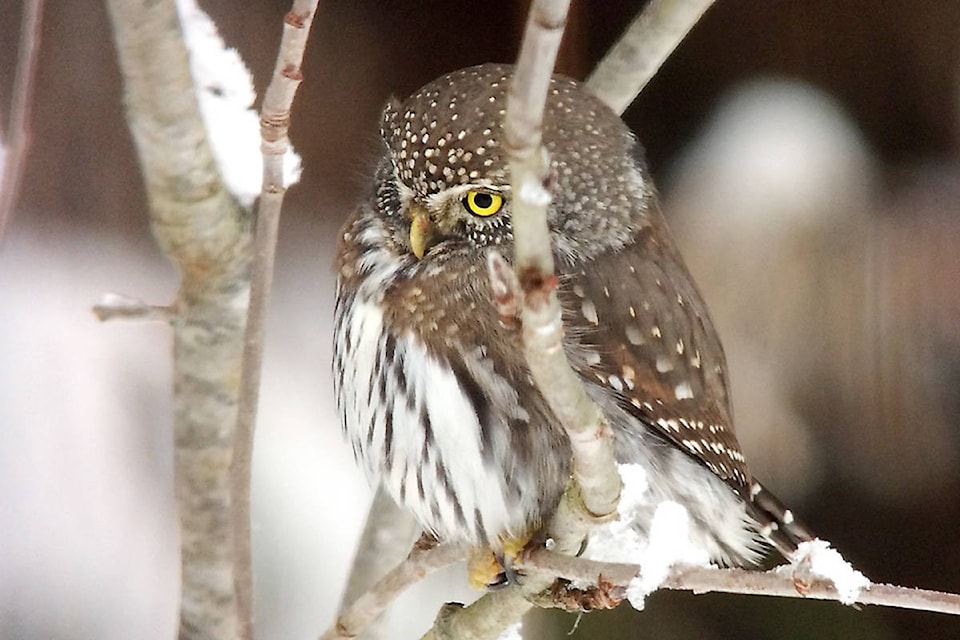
445	178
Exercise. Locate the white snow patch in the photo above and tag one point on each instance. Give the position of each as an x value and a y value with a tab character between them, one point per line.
620	541
669	546
668	543
225	93
513	632
818	560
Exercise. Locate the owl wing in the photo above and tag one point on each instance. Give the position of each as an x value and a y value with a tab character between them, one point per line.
637	326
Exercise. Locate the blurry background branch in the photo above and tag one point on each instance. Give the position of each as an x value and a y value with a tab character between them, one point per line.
638	54
387	536
361	613
15	141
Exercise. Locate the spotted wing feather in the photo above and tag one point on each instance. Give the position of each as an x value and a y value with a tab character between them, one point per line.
647	337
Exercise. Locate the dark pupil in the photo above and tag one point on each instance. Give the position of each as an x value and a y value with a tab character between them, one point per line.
483	200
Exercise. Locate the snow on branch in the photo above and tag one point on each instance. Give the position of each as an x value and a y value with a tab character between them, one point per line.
224	88
614	579
113	306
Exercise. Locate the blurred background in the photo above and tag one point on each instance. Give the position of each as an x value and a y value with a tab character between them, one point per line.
807	154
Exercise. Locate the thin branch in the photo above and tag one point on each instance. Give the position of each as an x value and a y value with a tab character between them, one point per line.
201	229
609	580
387	535
596	485
365	609
117	306
594	465
642	49
741	581
17	139
274	125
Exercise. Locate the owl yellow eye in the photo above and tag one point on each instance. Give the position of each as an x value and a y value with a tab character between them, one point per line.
481	203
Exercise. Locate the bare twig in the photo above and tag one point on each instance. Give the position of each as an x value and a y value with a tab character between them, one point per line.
274	125
17	138
742	581
596	483
387	536
594	465
200	228
365	609
484	619
114	306
642	49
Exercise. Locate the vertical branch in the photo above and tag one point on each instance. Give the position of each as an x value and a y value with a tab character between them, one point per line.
642	49
523	133
596	481
17	139
594	465
274	126
203	231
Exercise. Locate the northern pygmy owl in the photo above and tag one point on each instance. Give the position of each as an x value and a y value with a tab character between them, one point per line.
433	390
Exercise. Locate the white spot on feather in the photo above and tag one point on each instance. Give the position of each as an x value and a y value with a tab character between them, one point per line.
634	335
589	311
683	391
664	364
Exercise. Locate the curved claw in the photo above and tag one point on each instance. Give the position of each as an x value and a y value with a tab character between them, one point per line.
510	577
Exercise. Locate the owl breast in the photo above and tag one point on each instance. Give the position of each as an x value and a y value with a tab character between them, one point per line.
427	409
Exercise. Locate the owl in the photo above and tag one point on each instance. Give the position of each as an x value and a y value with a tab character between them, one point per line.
432	388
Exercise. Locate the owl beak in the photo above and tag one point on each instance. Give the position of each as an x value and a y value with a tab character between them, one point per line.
422	235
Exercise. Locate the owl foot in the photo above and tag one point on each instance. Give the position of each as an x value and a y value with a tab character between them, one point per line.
484	570
489	569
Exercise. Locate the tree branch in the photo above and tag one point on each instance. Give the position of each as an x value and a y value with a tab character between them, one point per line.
594	466
114	306
777	582
595	489
421	562
274	127
642	49
15	144
387	535
203	231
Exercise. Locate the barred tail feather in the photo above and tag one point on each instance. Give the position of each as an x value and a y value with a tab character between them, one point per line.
777	523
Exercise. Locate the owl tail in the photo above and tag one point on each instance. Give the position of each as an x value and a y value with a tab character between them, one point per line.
777	523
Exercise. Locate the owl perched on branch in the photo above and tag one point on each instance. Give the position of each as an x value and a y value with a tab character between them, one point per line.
433	389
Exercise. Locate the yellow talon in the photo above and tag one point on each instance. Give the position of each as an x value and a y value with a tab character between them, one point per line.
483	568
486	566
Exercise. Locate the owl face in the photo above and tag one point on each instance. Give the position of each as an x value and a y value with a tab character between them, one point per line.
444	183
